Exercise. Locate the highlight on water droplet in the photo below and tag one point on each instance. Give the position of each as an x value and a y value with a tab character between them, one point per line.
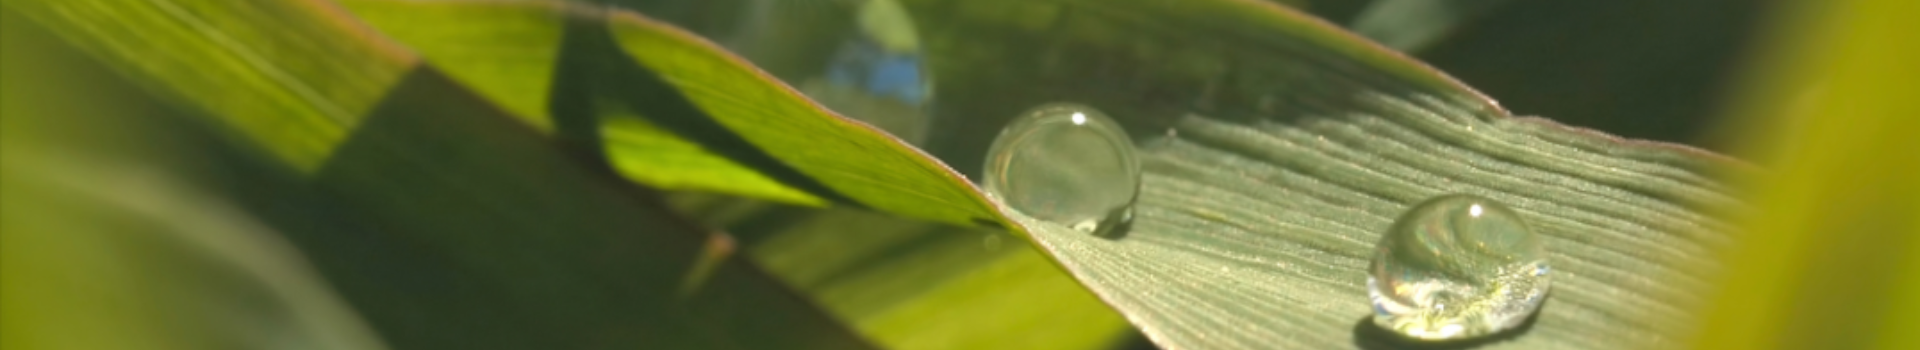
1067	164
1456	267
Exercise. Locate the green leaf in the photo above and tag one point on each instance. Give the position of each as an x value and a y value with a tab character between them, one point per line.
447	222
318	86
1278	148
579	259
110	238
929	288
911	284
857	162
650	154
512	60
97	258
1296	144
1833	258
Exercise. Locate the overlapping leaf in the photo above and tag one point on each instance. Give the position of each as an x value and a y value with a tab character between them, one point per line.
1277	148
510	51
1296	145
912	284
446	221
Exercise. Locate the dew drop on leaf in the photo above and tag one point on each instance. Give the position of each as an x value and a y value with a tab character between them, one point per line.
1457	267
1066	164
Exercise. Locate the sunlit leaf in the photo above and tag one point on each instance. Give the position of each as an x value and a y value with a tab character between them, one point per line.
911	284
855	161
214	53
1277	148
448	222
111	239
1296	144
509	52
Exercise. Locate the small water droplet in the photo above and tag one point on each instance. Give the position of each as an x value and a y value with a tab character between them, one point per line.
1067	164
1455	267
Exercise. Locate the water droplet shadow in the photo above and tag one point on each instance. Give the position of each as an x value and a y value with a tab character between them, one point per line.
989	223
1367	335
1118	231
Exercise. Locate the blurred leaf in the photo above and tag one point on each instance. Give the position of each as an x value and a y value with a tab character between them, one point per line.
1337	11
445	220
508	51
1331	133
908	285
317	86
1409	25
107	245
857	162
509	59
1833	259
1296	144
578	258
100	256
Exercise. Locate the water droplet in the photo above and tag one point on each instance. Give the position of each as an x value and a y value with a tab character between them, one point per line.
1455	267
1067	164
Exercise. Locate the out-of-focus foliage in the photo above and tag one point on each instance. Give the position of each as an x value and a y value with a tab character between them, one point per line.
1833	259
111	236
444	221
823	153
860	163
514	59
316	75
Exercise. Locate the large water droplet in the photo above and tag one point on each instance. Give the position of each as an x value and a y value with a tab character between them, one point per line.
1456	267
1068	164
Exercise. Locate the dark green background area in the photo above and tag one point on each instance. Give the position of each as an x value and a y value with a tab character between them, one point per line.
1645	69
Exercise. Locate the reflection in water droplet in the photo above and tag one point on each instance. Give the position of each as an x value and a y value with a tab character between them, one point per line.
1455	267
1067	164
